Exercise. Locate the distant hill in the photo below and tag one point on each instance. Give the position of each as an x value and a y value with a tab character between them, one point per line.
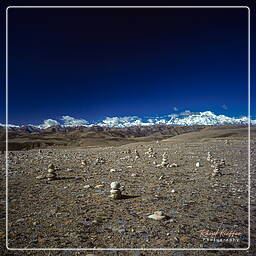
219	132
26	137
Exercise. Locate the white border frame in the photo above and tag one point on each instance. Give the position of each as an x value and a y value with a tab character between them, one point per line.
133	249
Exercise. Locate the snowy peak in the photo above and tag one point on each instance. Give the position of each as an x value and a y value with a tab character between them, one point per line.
209	118
186	118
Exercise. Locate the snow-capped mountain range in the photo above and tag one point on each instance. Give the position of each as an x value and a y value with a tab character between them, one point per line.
186	118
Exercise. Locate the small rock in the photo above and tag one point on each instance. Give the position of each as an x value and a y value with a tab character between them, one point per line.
173	165
115	185
198	164
184	239
40	177
158	215
20	220
161	177
99	186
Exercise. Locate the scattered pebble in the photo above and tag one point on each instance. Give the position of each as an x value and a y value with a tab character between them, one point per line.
158	215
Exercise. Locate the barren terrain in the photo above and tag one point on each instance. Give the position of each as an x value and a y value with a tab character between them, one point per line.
75	210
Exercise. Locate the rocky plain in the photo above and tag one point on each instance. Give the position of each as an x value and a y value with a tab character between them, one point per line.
178	190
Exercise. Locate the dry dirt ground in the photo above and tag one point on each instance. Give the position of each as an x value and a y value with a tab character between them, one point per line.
67	213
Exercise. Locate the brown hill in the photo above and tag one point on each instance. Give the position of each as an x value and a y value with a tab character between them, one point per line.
209	133
57	136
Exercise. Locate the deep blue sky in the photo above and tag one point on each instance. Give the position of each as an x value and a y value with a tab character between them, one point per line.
93	63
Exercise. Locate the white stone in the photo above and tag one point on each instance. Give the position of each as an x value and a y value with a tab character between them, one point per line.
198	164
99	186
114	191
51	171
158	215
115	185
40	177
83	163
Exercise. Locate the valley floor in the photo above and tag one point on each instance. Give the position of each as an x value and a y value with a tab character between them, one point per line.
75	211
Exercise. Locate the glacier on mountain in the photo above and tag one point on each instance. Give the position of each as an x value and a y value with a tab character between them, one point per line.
185	118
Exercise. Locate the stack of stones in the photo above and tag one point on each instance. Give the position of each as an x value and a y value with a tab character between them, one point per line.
51	175
217	165
115	191
164	160
216	171
222	162
83	162
226	142
137	155
100	160
150	153
209	157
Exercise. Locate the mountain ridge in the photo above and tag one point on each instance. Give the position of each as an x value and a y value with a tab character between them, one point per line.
186	118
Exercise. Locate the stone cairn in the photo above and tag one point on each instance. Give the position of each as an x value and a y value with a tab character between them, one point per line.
51	175
100	160
137	155
209	157
198	164
164	161
216	170
216	165
83	163
115	191
150	153
222	162
128	151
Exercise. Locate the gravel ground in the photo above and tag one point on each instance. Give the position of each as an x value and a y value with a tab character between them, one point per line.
75	210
